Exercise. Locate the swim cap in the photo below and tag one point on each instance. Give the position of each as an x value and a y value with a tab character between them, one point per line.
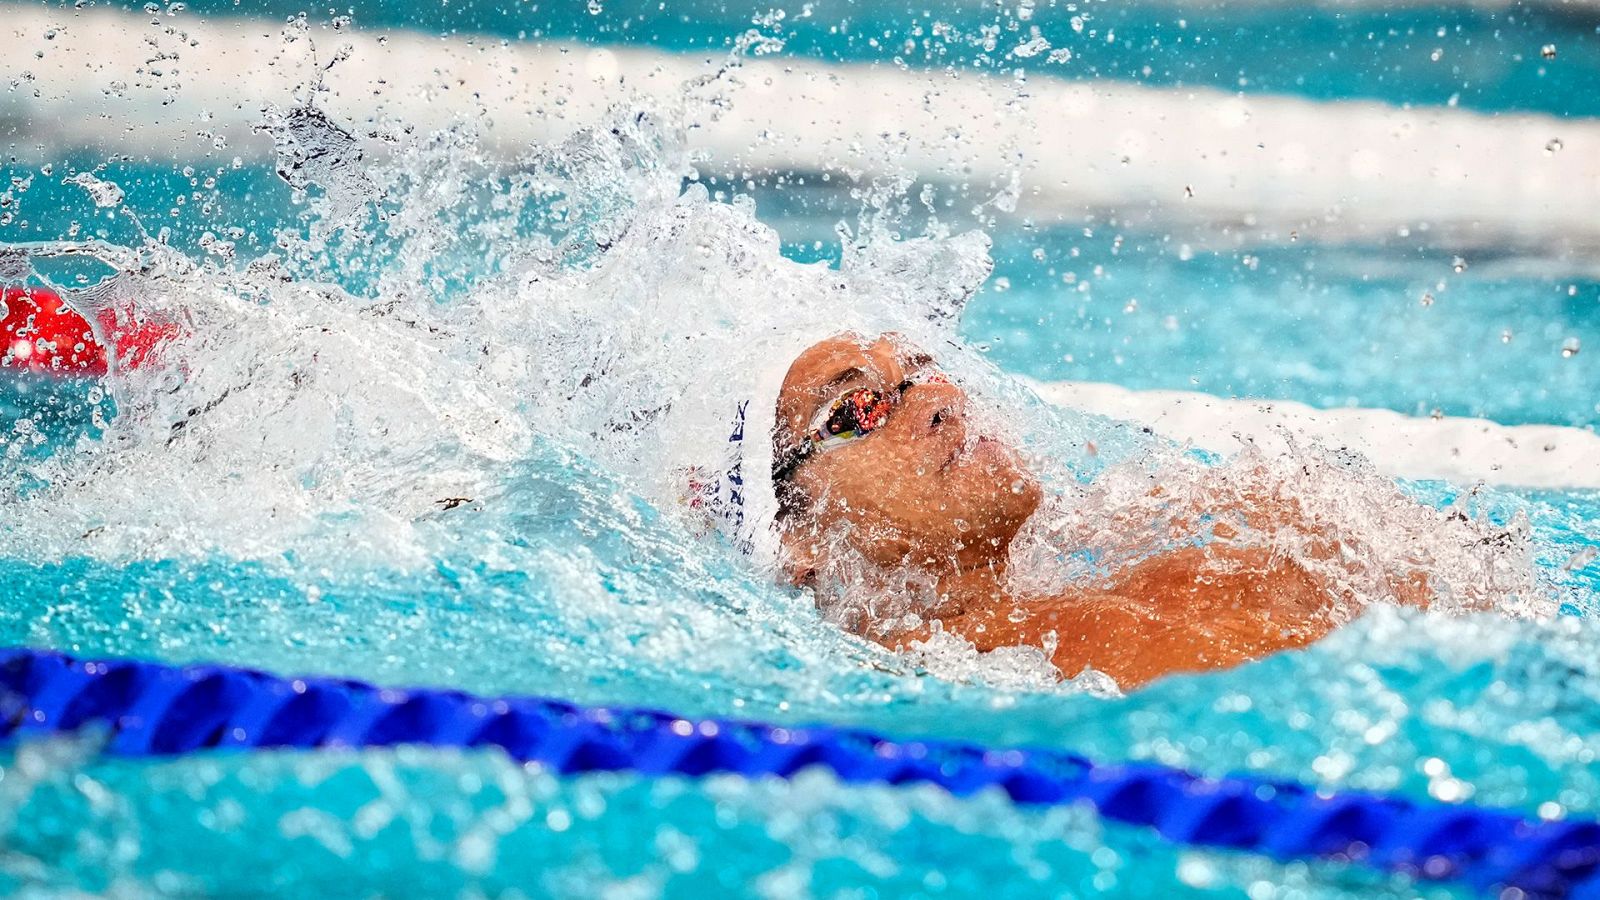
735	496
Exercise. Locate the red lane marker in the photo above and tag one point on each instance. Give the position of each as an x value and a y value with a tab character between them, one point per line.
41	333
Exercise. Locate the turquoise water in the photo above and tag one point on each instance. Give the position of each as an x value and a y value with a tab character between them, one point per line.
287	549
1488	58
1369	326
634	613
443	824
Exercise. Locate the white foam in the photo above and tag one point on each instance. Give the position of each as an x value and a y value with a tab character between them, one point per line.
1461	450
1264	164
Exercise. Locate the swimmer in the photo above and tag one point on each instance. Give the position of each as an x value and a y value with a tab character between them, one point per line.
875	461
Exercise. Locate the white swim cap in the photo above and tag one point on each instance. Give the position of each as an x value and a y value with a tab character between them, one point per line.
736	493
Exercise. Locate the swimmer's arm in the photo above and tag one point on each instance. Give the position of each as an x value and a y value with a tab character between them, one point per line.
1187	611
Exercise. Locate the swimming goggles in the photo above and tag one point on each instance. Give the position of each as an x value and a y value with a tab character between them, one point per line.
855	414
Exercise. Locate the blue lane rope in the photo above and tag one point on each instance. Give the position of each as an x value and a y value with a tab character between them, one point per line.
149	709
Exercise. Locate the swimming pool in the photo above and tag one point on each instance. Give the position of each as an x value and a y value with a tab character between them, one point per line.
401	498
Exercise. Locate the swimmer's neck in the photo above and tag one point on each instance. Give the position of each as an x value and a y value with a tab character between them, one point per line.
972	583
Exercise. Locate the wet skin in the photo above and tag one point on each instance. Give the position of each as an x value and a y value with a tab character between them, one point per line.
926	492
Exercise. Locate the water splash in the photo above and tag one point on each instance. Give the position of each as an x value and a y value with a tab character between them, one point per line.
438	317
433	436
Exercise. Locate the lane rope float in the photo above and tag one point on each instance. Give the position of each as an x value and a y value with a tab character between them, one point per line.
154	710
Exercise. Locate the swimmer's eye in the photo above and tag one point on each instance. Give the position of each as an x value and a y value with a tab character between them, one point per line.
857	413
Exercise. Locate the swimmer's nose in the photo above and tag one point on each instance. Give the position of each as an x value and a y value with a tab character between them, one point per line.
933	404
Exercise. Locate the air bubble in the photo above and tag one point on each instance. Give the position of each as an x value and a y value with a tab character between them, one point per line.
1548	51
1569	348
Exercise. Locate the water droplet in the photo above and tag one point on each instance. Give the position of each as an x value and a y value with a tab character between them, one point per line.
1436	54
1459	265
1569	348
103	193
595	8
1548	51
1505	336
1427	298
1133	305
1553	147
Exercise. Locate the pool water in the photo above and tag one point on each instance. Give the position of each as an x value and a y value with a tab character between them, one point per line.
1476	56
289	502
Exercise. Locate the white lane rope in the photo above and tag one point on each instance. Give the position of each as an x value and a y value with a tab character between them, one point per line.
1456	449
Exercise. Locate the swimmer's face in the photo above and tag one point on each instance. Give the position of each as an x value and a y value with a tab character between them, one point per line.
923	487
